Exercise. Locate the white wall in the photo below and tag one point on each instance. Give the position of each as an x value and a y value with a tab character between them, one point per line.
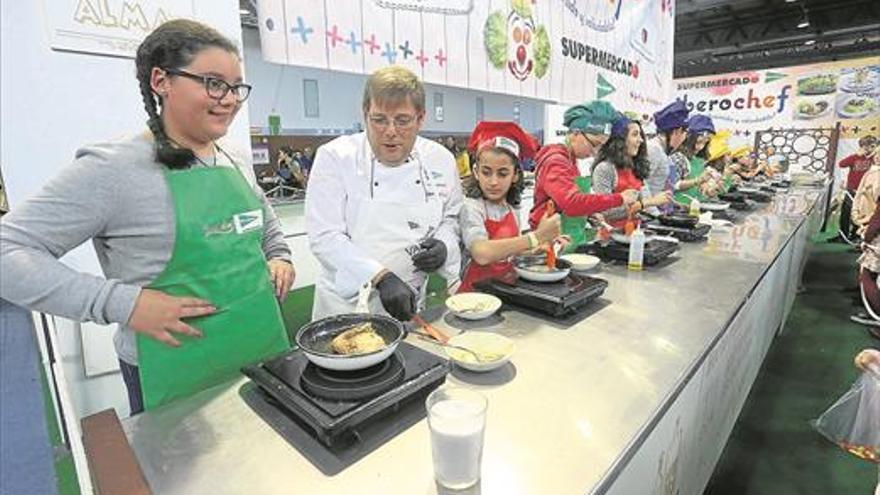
281	87
53	102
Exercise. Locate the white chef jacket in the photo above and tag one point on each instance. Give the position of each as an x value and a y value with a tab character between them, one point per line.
340	180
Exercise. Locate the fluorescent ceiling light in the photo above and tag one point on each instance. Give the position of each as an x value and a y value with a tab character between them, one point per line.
805	23
810	42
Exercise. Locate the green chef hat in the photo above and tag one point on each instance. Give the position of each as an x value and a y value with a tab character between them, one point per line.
595	117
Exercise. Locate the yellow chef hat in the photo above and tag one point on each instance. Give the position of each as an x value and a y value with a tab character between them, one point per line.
718	145
740	151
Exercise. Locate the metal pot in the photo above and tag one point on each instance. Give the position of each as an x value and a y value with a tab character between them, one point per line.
314	340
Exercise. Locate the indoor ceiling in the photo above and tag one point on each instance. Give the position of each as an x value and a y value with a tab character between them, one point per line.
714	37
718	36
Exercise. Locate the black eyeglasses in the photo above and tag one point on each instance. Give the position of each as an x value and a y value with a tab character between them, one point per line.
217	88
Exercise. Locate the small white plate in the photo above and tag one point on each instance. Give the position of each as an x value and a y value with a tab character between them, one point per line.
473	305
483	343
581	262
714	206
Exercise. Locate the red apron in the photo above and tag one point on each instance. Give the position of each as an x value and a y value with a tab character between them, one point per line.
626	179
497	229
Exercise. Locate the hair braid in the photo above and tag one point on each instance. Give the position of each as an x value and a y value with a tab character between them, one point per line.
172	45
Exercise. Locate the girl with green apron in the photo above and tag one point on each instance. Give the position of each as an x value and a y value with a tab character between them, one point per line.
195	74
218	257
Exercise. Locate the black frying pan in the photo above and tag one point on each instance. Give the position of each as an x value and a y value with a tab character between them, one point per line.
674	219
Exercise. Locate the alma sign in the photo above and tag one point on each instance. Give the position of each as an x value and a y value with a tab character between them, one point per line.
108	27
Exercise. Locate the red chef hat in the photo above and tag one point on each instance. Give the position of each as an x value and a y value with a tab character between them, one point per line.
505	135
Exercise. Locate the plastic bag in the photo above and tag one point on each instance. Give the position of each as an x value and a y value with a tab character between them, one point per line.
853	422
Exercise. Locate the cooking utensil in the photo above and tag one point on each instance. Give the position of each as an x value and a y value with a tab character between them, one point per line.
314	340
673	220
427	338
551	252
524	267
433	332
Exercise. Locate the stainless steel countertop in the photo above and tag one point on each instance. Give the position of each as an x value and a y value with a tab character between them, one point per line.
567	409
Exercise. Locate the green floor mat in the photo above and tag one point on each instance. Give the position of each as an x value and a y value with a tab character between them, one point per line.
773	449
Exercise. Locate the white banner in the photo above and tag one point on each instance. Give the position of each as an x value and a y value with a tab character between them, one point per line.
563	50
805	96
108	27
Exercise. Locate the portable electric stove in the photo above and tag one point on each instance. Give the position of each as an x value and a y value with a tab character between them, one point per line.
686	234
655	251
556	299
336	406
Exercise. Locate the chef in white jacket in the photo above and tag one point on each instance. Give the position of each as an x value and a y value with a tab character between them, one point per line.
382	206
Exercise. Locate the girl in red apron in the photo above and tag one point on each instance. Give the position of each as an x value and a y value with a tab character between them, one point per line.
622	164
489	226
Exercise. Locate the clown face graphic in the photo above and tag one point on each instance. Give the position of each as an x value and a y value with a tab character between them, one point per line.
520	52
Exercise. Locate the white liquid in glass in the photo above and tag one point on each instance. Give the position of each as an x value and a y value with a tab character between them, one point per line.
456	442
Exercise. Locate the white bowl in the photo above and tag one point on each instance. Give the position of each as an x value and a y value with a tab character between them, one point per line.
707	206
581	262
480	342
622	238
473	305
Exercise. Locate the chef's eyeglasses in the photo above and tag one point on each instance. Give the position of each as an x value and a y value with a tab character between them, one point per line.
401	122
216	88
593	142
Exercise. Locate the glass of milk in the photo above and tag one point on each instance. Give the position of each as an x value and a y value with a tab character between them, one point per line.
457	419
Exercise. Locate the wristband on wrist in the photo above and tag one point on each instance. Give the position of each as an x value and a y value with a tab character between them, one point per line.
533	240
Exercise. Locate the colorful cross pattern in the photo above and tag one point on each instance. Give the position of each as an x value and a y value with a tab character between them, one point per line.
336	40
371	42
302	30
353	42
334	37
407	51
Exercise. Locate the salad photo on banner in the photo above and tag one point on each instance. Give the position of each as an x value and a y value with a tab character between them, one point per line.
557	50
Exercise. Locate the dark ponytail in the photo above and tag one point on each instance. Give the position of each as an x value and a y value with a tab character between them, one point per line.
171	46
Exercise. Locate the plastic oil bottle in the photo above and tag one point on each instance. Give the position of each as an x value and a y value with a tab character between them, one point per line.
636	249
694	209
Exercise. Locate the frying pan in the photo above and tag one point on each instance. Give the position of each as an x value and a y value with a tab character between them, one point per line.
522	263
733	197
314	340
674	220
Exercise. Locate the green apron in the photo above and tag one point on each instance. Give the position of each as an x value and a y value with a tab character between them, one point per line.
217	257
698	165
575	227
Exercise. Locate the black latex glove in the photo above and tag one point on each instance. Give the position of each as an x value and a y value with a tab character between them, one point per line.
397	297
431	256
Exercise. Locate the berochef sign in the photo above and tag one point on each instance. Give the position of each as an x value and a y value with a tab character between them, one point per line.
807	96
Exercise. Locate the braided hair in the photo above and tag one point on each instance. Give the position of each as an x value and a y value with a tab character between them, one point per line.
172	45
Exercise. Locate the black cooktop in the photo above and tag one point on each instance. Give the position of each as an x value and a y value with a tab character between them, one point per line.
655	251
686	234
555	299
334	405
